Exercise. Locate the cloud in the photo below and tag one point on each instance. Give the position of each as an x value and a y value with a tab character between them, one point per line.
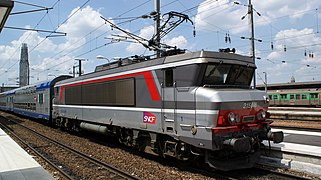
224	15
81	28
220	15
147	32
179	41
277	8
82	22
136	48
33	40
297	42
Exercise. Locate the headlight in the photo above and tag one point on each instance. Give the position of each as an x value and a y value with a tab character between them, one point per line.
261	115
266	99
231	117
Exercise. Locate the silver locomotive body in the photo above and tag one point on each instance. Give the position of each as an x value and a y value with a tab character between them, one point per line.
190	105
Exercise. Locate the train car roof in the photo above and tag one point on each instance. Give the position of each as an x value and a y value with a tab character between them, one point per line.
7	93
50	83
39	86
294	91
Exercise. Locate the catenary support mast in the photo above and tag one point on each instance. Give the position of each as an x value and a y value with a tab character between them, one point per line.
251	29
157	26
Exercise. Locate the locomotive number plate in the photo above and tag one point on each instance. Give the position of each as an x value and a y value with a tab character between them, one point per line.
249	105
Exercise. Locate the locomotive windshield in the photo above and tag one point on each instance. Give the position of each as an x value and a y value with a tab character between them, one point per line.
228	75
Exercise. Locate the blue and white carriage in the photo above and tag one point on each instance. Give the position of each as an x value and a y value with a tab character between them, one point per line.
34	101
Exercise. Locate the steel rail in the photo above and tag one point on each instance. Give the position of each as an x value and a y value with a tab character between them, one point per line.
287	175
63	173
109	167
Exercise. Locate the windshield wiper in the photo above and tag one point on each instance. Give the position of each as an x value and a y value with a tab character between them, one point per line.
226	86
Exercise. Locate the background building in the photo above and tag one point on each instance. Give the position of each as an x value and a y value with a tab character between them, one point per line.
24	66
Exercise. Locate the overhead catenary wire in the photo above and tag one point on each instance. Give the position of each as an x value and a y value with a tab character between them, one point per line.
97	36
31	50
90	51
222	31
24	40
118	16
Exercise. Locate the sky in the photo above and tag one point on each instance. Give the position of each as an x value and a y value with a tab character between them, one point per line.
289	31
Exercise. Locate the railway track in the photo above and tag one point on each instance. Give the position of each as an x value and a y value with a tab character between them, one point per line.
278	174
28	147
296	128
257	172
295	113
252	173
70	163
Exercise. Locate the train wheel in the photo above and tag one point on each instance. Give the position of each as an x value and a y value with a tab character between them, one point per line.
142	141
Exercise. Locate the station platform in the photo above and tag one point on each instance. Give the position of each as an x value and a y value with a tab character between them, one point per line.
301	151
17	164
299	142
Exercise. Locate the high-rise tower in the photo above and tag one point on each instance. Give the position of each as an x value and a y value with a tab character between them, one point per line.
24	66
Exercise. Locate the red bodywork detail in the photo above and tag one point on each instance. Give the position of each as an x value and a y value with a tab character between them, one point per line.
224	126
60	92
238	128
146	74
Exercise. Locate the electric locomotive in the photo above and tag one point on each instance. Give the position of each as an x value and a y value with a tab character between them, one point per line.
188	106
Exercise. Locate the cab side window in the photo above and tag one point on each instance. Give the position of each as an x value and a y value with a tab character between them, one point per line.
169	81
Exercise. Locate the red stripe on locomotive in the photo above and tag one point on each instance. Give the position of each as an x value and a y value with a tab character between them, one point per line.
146	74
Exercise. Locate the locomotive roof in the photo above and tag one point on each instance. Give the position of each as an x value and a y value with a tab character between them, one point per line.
210	55
166	62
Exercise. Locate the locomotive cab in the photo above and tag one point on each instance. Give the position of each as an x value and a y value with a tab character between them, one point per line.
211	106
239	124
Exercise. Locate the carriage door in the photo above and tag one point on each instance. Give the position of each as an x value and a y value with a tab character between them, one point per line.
169	102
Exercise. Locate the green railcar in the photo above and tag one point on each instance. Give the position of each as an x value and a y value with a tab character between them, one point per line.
295	98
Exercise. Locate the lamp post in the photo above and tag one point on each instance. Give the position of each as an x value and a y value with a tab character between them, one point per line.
79	63
102	57
5	9
265	80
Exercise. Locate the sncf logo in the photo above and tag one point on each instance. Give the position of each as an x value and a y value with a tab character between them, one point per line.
149	118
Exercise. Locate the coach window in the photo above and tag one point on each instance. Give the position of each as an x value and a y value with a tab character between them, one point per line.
169	81
283	96
314	96
291	96
297	96
304	96
40	98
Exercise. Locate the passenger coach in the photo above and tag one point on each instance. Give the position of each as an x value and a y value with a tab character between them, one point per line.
34	101
295	98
